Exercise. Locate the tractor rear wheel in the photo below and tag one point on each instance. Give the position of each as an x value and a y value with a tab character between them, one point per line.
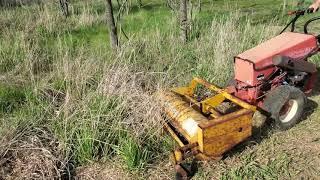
286	105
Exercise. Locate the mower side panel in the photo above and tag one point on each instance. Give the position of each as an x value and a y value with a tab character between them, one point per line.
217	136
244	71
226	132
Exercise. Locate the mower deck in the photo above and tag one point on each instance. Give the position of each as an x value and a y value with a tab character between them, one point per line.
201	128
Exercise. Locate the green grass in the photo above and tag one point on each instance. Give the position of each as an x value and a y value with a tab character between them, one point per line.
11	98
274	169
134	155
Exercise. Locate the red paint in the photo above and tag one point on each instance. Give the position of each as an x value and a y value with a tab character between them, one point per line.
294	45
257	61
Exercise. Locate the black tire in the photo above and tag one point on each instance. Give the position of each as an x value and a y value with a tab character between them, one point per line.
285	105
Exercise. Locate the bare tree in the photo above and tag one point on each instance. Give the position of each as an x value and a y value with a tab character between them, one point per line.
112	26
173	4
139	2
199	5
64	4
119	4
183	21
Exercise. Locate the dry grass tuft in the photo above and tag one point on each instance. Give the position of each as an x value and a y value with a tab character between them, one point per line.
136	91
34	156
109	171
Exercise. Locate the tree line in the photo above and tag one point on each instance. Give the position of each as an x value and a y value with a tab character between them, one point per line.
180	5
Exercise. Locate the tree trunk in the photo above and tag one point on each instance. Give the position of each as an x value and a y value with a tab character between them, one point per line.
199	5
111	25
64	4
119	5
284	6
139	3
183	21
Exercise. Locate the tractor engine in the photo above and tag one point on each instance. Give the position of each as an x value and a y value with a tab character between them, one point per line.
279	61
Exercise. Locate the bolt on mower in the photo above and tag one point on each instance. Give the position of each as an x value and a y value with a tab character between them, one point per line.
273	78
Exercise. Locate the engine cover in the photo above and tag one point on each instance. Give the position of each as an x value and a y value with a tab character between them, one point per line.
256	64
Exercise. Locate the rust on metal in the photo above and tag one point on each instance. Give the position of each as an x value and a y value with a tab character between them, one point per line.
188	147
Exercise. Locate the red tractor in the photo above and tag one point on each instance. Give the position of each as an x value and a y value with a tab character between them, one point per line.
276	75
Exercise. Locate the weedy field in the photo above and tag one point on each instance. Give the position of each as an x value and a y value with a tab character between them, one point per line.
71	108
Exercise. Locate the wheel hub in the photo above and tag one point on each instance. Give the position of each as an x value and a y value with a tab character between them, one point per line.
288	110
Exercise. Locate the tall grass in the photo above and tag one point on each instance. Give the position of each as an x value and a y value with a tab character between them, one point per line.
83	104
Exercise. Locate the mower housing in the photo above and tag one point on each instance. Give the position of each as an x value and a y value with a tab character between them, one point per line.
200	129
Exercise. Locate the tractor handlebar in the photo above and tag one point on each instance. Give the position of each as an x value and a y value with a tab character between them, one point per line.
301	12
298	14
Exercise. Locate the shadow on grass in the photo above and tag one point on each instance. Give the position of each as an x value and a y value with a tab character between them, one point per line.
316	90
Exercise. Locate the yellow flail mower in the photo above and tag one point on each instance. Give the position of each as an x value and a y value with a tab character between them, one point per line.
204	127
